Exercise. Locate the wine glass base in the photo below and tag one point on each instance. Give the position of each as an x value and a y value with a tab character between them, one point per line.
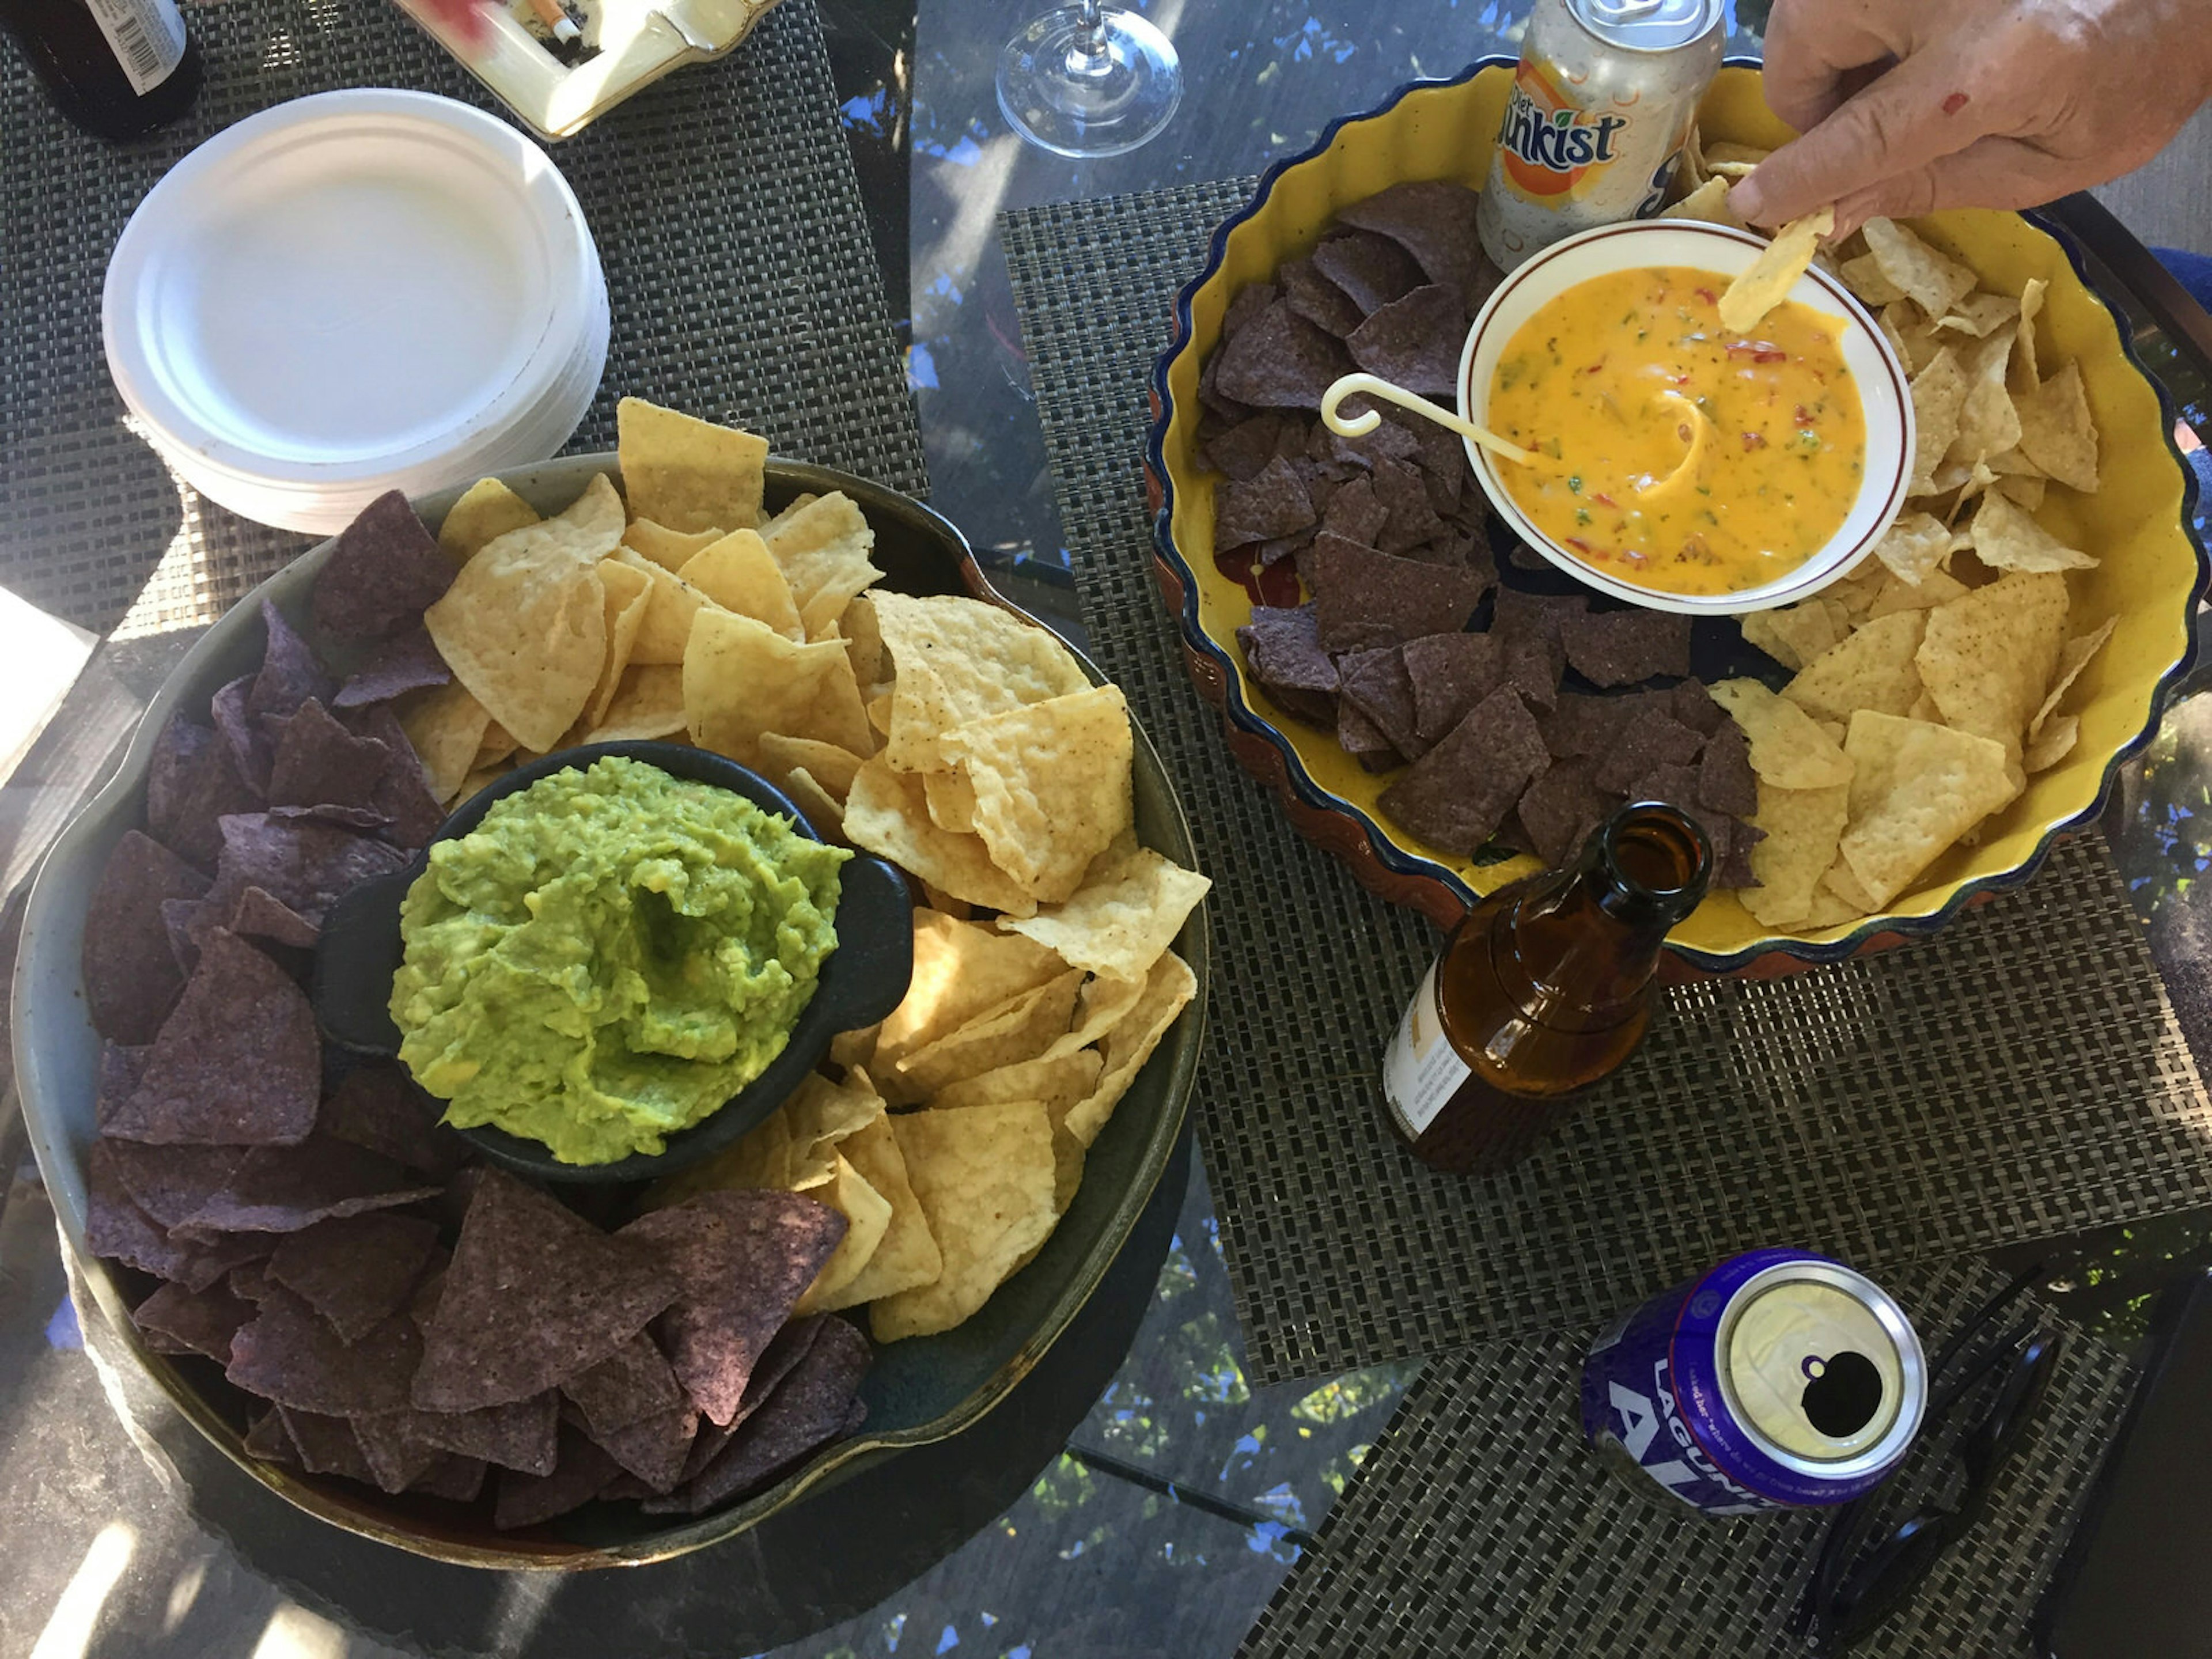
1062	95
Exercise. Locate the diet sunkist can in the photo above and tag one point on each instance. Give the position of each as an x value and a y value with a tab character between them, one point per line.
1777	1380
1600	108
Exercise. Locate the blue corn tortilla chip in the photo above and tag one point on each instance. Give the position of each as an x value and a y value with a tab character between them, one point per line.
1691	704
1389	439
306	865
1652	737
384	571
357	1270
241	734
324	1444
1528	626
1376	684
290	1355
116	1227
1243	450
1726	782
1414	341
1619	648
237	1063
121	1069
1273	503
454	1477
1561	808
1412	518
378	1106
582	1473
1370	271
1354	514
1363	741
775	1363
534	1294
1432	219
403	793
287	1189
268	1440
743	1260
1365	599
174	1320
808	1408
257	913
522	1435
406	662
1318	300
655	1448
290	674
318	763
1282	647
171	1183
1457	795
191	786
398	1455
1280	361
630	1384
1581	725
1449	674
132	977
1247	305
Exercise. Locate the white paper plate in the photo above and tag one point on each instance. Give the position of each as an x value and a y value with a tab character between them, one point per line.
354	292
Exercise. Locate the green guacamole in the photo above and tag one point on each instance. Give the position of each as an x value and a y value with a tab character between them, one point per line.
609	956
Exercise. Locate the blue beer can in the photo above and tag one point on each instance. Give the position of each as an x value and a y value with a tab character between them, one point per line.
1777	1380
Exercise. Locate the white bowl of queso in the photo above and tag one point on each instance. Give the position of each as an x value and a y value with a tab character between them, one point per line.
1691	469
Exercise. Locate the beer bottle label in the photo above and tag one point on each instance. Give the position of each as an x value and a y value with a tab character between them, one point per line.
147	37
1421	1071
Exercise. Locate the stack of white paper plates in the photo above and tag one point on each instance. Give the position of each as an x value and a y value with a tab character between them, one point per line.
351	293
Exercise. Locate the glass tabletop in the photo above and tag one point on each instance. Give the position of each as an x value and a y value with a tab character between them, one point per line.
1175	1510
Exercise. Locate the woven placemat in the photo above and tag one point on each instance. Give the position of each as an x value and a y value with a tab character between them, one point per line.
2022	1075
728	219
1480	1524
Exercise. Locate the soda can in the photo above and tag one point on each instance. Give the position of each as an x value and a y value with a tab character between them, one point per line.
1599	112
1777	1380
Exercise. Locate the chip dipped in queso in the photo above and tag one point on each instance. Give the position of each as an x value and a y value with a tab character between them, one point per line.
1674	454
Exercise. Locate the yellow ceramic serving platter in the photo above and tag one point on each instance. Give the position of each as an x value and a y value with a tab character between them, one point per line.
2149	579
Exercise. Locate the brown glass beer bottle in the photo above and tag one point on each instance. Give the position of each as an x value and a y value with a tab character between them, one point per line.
1543	989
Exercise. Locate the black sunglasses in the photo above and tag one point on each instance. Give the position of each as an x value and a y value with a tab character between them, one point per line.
1855	1587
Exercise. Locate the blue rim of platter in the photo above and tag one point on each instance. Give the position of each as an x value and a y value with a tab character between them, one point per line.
1394	857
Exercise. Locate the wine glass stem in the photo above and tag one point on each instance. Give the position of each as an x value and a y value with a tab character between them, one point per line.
1090	55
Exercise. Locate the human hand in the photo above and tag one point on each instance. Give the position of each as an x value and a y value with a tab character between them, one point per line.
1909	105
466	18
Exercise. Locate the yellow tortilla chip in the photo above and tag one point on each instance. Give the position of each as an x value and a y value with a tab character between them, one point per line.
1052	785
824	812
1793	635
672	550
887	813
984	1178
627	595
742	678
1103	1005
1708	204
1128	910
2052	745
447	726
666	629
1863	277
952	800
687	474
1789	750
1988	423
1803	827
647	703
739	574
823	549
487	510
863	642
2073	657
1988	656
906	1257
1939	394
2056	432
868	1215
832	767
1168	989
957	660
1916	547
1982	315
1873	669
960	970
1057	1079
1915	789
471	784
1936	587
2025	379
1934	282
524	625
1021	1028
498	744
2006	537
1766	282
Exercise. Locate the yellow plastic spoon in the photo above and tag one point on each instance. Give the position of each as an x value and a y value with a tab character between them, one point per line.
1358	426
1697	427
